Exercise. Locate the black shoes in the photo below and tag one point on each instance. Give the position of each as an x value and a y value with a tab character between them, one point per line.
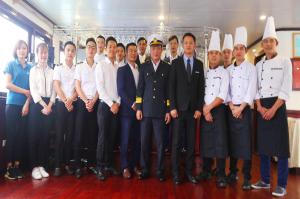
112	170
161	177
176	180
100	175
57	172
221	182
144	175
78	173
232	178
246	185
192	179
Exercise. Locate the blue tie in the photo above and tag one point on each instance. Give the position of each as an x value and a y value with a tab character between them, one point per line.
188	69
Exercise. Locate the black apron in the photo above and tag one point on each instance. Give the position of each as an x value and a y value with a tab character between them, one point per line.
273	135
240	134
213	139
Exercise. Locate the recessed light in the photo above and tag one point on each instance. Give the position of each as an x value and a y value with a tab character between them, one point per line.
5	16
161	17
254	50
262	17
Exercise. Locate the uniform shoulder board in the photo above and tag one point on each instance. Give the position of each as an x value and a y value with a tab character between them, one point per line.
79	63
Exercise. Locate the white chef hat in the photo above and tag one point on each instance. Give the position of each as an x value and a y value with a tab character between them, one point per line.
270	31
228	42
240	36
214	43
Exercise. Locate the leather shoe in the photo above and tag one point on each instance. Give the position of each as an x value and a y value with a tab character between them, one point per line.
192	179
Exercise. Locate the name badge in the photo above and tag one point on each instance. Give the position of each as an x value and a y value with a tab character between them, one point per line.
217	77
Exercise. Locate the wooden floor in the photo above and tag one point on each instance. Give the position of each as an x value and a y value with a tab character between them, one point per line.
67	187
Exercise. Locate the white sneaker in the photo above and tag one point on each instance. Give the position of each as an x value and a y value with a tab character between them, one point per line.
36	173
43	172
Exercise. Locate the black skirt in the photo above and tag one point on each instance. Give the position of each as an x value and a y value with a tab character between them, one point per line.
213	139
273	135
240	134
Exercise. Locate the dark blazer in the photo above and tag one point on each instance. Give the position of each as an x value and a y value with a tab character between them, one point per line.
152	93
185	95
126	90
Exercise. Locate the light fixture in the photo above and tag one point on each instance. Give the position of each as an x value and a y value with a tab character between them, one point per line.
161	17
262	17
254	50
5	16
13	13
77	17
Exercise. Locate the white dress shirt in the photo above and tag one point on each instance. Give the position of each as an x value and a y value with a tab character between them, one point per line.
41	83
216	84
142	58
155	66
106	81
99	57
242	83
172	58
135	73
274	78
86	75
121	63
66	76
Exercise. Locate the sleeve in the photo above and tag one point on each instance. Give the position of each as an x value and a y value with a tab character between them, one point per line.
57	73
100	85
140	89
201	88
33	86
286	87
9	69
172	86
78	73
167	90
53	93
252	87
224	85
121	81
257	96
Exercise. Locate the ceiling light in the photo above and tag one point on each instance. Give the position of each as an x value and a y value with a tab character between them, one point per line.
161	17
77	17
262	17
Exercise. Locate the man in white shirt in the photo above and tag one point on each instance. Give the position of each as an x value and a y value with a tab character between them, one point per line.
173	44
142	47
86	115
64	85
120	55
213	125
242	91
274	89
107	115
100	55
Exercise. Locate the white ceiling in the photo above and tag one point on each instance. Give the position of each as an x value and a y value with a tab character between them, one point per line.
223	14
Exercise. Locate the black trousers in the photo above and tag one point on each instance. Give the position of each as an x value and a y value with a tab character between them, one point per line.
185	119
16	132
108	125
64	123
85	135
246	167
39	129
158	125
221	163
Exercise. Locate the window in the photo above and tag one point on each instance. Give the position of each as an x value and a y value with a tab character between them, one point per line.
8	41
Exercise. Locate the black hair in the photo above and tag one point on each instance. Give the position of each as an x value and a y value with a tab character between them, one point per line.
121	45
173	37
130	44
69	43
188	34
91	39
101	37
142	39
110	39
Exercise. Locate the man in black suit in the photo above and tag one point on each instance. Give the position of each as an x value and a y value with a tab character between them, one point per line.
127	80
186	90
152	106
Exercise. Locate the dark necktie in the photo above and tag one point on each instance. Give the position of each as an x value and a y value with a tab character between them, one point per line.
189	70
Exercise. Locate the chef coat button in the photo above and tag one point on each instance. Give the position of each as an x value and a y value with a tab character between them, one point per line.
271	94
271	77
212	94
213	85
154	81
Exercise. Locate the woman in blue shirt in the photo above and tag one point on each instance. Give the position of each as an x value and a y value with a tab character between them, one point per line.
17	108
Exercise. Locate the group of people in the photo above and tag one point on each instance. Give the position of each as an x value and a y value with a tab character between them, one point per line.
128	93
